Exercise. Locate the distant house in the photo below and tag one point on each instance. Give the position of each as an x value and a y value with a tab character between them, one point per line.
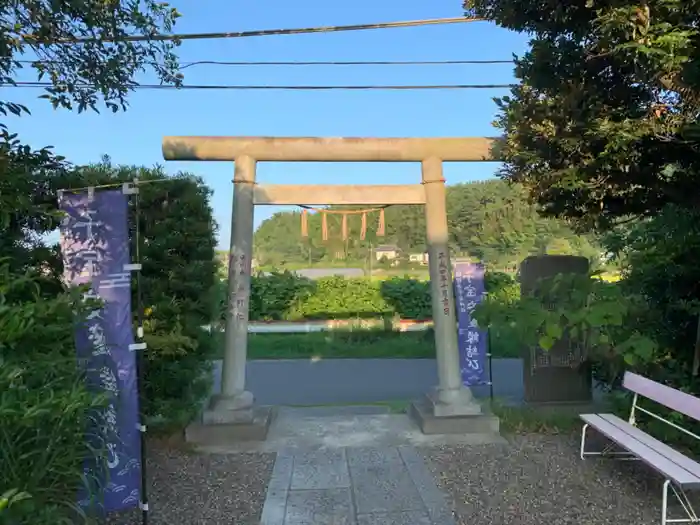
421	258
387	251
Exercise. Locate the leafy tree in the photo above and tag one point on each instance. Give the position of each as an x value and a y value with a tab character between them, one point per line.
659	261
81	48
603	124
560	247
43	401
28	209
602	130
80	75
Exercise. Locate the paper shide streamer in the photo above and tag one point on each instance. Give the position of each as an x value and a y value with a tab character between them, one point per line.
345	229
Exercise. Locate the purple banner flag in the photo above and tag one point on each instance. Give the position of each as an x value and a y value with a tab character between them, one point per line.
95	250
473	342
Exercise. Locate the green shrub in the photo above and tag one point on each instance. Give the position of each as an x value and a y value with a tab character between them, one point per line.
587	311
504	291
44	408
409	298
336	298
179	283
285	296
276	294
44	405
503	285
660	264
179	276
178	376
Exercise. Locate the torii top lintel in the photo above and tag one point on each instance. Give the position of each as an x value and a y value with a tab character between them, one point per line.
332	149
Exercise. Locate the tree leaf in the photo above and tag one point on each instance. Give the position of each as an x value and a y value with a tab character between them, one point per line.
546	342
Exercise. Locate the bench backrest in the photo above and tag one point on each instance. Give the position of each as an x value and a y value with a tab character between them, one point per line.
662	394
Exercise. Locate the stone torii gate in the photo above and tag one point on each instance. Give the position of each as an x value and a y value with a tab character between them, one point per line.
234	406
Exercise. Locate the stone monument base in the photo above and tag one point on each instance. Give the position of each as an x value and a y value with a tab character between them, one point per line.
252	426
424	414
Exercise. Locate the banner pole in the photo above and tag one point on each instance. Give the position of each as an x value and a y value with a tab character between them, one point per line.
490	354
140	356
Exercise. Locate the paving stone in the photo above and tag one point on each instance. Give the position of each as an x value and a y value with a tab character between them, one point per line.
432	496
384	488
398	518
367	457
320	507
320	469
297	412
275	508
353	486
282	471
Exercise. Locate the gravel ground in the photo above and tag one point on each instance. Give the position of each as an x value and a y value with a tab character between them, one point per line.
541	480
195	489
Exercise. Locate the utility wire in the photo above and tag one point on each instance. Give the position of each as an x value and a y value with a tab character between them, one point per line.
186	65
263	32
283	88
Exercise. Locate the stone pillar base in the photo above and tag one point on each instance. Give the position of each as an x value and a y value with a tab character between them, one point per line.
424	414
459	402
228	420
224	410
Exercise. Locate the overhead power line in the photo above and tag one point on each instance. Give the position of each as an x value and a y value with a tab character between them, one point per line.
185	65
287	88
266	32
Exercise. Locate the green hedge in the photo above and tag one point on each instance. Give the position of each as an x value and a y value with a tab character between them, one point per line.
285	296
179	281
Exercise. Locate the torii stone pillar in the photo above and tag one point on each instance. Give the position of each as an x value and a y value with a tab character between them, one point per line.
234	405
452	397
235	401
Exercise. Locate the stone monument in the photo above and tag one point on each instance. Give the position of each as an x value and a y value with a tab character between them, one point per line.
558	375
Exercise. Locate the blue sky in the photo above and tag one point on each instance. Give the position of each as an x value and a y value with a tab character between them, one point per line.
135	137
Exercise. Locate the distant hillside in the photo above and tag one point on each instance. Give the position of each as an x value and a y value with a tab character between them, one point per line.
490	220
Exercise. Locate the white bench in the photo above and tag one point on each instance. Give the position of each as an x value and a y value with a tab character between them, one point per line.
681	473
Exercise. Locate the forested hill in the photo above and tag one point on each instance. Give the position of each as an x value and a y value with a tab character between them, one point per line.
490	220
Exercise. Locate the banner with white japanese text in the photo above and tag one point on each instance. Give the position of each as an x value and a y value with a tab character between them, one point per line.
95	249
473	342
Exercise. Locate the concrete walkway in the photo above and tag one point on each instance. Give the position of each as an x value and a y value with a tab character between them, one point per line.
353	486
352	466
336	427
